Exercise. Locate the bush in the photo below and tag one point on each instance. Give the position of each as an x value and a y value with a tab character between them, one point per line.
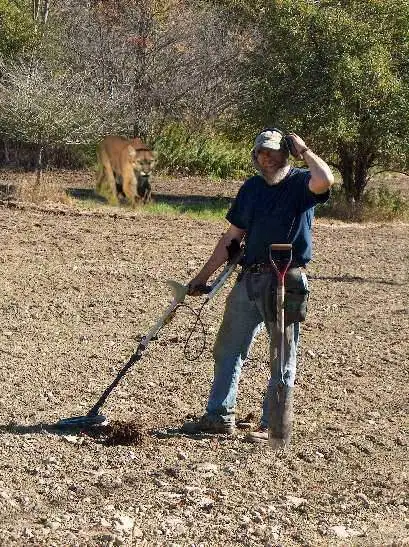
184	152
23	155
377	204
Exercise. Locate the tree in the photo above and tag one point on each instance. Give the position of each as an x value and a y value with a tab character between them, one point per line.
47	108
338	73
17	33
160	60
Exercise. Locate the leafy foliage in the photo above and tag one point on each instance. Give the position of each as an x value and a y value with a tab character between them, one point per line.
201	153
17	34
337	73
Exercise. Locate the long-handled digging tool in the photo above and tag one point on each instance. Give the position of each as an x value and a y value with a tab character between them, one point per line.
93	417
280	414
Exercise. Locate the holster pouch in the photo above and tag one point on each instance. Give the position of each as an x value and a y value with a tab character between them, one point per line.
295	305
296	297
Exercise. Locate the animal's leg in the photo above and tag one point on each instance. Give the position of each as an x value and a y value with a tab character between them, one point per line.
129	188
102	159
144	188
119	186
106	178
111	185
147	195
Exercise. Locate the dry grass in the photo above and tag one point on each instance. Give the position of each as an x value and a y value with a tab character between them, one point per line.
47	190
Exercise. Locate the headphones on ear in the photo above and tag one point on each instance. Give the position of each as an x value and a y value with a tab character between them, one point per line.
286	144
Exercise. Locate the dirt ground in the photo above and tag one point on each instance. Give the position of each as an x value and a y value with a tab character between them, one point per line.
79	288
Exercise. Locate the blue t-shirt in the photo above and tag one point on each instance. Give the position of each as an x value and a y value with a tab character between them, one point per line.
279	213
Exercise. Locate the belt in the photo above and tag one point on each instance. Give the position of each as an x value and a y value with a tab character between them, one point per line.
267	268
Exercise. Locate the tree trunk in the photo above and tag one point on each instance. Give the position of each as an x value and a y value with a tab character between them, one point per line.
346	168
39	168
360	176
354	166
6	152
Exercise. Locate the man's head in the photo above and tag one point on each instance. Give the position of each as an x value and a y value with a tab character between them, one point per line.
270	151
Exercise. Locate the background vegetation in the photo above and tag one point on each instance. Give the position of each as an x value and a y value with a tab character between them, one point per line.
197	80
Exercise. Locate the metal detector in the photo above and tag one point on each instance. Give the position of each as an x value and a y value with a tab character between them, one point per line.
94	418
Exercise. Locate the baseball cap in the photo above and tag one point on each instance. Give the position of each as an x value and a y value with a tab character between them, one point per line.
269	138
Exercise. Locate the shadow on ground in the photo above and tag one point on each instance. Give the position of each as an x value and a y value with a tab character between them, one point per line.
32	429
86	194
346	278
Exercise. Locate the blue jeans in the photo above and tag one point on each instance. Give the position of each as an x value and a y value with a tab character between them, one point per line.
248	310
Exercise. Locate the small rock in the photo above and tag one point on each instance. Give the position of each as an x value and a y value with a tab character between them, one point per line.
207	467
124	523
260	530
310	353
258	518
27	532
192	489
73	439
174	526
206	503
181	455
363	498
160	483
137	533
344	533
296	502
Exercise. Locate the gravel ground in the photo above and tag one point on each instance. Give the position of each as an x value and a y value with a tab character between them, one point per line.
79	288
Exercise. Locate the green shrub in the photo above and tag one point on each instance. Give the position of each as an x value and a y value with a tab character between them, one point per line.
377	204
184	152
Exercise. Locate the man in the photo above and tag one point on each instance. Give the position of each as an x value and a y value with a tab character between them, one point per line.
275	206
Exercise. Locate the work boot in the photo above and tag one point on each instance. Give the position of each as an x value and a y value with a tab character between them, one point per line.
208	424
258	436
281	417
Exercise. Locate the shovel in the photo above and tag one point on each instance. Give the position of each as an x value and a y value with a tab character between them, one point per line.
277	427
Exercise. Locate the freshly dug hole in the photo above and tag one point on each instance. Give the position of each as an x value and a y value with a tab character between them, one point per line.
123	433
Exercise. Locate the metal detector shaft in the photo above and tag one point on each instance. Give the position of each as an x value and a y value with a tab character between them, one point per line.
180	292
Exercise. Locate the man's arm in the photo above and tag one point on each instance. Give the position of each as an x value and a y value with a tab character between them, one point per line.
321	175
218	257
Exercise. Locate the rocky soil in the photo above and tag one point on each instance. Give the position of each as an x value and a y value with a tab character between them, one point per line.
80	287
